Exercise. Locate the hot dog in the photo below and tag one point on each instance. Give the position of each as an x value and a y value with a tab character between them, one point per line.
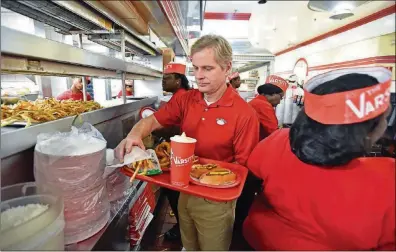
197	170
218	176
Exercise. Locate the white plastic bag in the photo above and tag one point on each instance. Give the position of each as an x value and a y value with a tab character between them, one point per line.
73	162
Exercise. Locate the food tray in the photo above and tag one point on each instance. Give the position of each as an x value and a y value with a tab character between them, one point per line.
215	194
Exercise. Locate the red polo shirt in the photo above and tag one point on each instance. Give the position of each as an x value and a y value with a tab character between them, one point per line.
128	93
351	207
226	130
74	96
179	92
234	89
266	115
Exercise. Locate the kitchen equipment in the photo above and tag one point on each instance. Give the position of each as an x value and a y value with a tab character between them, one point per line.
41	232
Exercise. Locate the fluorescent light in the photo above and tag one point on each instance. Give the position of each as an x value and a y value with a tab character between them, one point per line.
293	19
343	6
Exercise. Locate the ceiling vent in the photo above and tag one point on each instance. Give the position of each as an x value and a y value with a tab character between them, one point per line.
341	14
339	9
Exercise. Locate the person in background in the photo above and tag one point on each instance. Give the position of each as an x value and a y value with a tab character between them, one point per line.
175	82
235	80
128	89
226	129
89	89
320	191
269	96
75	92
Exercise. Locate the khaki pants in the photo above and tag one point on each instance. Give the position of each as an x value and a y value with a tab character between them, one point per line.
205	224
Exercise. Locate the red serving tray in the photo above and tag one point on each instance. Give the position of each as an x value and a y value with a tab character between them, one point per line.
215	194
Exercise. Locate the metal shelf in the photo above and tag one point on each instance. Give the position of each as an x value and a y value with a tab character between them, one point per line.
32	49
77	17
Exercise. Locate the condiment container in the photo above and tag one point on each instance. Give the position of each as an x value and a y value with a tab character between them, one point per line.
41	232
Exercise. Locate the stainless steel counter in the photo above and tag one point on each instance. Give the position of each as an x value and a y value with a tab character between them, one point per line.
17	139
17	144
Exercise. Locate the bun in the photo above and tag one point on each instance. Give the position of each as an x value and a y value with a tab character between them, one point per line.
218	176
198	169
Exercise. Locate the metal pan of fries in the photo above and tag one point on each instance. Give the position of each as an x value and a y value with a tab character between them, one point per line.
43	110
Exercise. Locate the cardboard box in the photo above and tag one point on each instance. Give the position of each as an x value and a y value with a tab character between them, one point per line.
168	55
126	11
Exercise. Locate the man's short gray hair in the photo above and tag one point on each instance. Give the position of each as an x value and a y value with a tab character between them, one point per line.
220	46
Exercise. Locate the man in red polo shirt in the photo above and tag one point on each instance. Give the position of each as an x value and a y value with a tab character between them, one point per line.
128	89
226	129
75	93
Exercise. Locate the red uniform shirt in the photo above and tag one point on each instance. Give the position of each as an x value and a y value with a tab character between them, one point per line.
128	93
226	130
74	96
179	92
234	89
351	207
266	115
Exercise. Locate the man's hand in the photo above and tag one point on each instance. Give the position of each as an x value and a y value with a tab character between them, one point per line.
141	130
126	145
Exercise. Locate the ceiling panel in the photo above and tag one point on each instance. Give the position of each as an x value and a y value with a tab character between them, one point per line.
278	25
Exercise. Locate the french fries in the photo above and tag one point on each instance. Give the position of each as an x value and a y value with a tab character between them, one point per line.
45	110
142	166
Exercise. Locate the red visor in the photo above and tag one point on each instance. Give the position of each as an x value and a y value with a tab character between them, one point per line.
175	68
352	106
277	81
233	75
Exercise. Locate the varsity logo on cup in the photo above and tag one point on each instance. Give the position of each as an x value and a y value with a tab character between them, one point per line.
178	161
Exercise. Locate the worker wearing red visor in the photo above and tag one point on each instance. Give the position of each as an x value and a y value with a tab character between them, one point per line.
235	80
269	96
320	191
226	129
175	82
75	92
128	89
